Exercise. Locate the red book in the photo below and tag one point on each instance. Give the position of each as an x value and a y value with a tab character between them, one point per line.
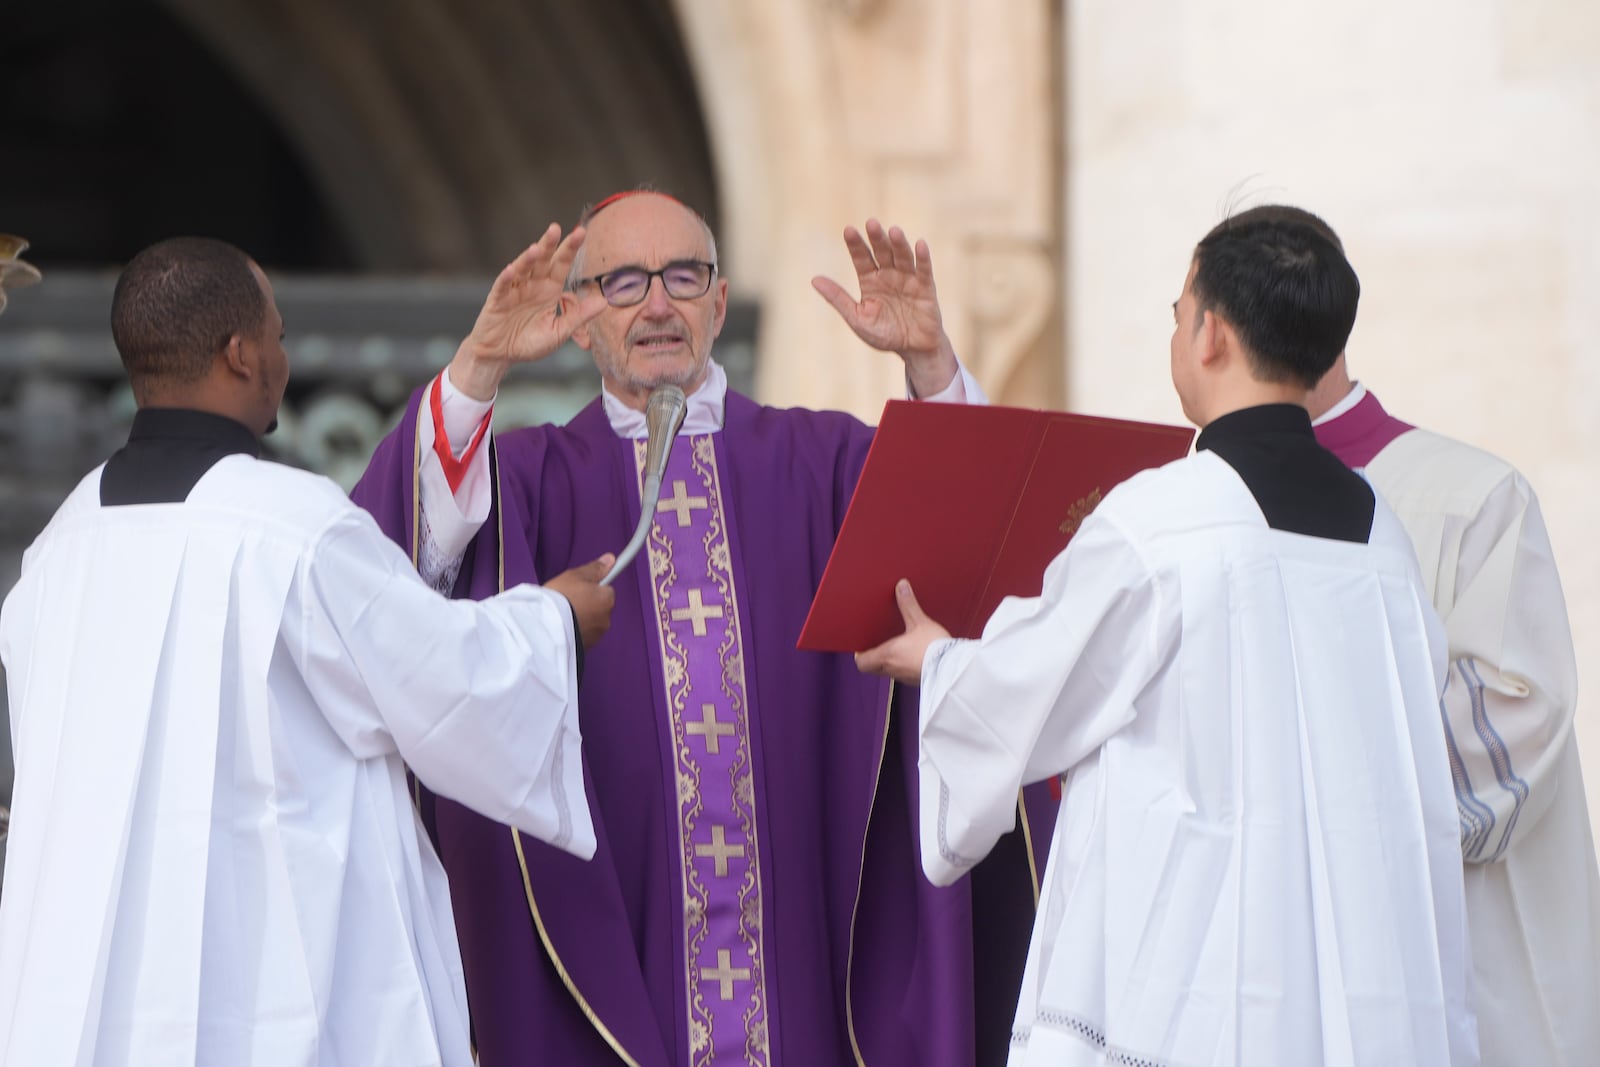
971	504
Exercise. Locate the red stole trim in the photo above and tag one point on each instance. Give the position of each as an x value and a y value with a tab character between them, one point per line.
454	469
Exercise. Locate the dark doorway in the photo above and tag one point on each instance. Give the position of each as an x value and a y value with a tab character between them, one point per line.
328	136
119	127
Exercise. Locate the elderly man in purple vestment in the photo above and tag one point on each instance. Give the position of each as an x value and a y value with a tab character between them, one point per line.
756	897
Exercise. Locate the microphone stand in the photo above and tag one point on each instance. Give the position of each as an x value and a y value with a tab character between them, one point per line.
663	414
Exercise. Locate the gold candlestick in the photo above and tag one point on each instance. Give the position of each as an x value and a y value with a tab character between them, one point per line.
15	273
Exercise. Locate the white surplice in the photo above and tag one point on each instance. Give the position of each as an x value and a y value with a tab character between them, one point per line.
214	857
1533	891
1255	861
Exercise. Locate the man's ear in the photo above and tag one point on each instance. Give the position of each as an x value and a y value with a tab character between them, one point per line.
1213	338
236	359
580	337
721	315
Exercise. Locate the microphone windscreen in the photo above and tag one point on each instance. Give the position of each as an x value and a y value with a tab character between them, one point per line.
663	414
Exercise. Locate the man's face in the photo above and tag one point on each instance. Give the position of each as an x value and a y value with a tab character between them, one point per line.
660	340
270	357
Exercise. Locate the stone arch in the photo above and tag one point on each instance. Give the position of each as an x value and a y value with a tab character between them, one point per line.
447	134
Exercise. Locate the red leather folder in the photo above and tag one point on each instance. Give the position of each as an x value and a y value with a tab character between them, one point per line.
971	504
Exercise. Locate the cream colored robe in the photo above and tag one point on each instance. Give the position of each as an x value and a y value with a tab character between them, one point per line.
1533	891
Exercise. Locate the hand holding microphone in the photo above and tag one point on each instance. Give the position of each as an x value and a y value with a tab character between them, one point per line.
591	602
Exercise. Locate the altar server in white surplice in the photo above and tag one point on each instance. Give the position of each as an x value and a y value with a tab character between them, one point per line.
1236	670
216	666
1533	890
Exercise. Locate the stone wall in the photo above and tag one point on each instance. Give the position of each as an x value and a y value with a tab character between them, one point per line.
1455	146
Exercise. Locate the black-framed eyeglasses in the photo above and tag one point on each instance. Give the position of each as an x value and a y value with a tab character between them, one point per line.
686	279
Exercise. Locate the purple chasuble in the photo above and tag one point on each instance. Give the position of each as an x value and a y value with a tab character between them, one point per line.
1360	433
756	896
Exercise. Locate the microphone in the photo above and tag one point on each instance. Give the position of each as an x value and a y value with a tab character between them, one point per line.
663	414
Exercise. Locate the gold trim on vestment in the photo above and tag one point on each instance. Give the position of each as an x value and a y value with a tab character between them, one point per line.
416	525
687	768
498	503
416	480
516	838
555	958
1027	843
850	955
719	567
685	773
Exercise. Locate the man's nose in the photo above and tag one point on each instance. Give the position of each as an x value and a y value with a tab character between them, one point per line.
656	300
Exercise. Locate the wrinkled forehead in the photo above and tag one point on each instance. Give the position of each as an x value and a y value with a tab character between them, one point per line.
645	231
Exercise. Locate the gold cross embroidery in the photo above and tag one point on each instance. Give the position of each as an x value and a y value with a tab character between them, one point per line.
697	613
725	973
681	502
710	729
720	850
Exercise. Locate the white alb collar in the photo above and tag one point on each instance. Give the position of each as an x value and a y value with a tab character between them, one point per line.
706	406
1357	393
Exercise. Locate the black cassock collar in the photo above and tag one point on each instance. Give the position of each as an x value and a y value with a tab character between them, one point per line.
1300	486
168	451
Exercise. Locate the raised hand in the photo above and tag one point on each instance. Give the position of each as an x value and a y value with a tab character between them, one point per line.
901	657
527	315
899	306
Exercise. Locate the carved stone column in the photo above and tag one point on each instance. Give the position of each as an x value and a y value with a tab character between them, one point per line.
940	115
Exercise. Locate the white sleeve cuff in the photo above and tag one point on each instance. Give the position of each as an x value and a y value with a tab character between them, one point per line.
449	520
462	414
940	665
963	389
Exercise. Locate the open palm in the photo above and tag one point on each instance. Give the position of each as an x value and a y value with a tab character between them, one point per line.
529	314
899	306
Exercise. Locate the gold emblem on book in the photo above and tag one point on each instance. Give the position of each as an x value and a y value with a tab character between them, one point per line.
1080	511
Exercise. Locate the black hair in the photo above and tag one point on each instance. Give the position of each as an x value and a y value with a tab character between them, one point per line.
178	303
1279	276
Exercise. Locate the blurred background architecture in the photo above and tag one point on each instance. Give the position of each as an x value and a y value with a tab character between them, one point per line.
1060	156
